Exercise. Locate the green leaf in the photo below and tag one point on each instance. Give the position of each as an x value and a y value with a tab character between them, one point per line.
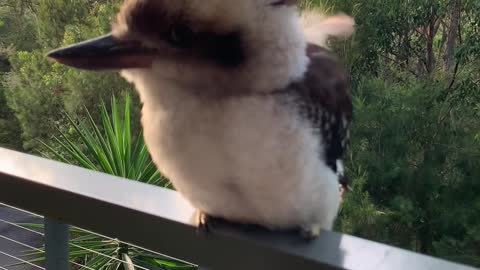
109	151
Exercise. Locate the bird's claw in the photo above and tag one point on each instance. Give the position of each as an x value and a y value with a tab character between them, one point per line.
202	220
344	190
311	232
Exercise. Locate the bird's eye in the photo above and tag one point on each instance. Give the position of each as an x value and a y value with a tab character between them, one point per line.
181	36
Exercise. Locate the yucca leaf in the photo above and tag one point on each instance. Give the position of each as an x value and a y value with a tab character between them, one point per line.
76	153
112	140
80	131
141	161
34	261
149	265
154	261
109	147
127	144
31	225
157	180
118	132
134	166
55	152
107	152
149	170
98	261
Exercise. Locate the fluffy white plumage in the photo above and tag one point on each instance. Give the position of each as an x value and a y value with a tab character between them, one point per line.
226	144
245	159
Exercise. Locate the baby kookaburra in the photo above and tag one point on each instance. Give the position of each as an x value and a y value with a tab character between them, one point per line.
244	115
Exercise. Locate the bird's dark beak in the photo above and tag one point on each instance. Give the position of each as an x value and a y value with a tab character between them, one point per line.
105	53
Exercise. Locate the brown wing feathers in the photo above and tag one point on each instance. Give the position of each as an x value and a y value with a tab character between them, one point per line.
324	100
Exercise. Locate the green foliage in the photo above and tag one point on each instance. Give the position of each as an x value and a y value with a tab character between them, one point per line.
10	132
38	90
415	143
358	214
55	15
17	31
415	151
84	89
17	25
32	93
112	149
82	243
407	35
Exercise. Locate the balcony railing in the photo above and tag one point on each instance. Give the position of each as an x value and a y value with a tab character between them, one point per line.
161	220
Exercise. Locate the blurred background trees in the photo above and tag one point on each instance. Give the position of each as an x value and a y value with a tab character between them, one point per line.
414	64
415	153
38	91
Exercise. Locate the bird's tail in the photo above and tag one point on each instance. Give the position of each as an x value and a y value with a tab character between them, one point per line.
318	28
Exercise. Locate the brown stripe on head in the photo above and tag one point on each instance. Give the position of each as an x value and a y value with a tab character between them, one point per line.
152	20
181	31
145	17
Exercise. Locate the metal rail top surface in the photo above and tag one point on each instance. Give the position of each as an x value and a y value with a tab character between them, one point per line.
161	220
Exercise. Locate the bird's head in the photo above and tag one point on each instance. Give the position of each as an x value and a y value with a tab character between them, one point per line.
205	44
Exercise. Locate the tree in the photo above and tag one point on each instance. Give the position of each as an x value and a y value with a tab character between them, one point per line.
456	8
17	22
10	132
32	93
54	16
420	159
38	90
414	154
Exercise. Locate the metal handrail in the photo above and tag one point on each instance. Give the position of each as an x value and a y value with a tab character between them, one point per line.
161	220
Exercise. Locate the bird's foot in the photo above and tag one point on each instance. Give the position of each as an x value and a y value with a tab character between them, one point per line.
344	190
343	193
201	221
310	232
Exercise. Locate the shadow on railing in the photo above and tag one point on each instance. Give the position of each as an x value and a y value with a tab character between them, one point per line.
160	220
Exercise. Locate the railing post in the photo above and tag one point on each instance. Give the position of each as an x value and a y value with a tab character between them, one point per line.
57	238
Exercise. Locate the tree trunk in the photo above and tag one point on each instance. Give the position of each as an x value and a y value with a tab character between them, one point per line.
456	6
443	42
430	54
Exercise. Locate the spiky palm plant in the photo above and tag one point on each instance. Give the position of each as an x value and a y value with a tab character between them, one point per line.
111	150
108	148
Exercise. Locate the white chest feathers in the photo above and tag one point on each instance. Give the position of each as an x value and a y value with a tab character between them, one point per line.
246	159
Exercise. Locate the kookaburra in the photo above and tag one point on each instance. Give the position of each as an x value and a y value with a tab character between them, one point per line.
243	109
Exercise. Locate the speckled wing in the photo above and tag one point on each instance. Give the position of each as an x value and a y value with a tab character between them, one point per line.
324	99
